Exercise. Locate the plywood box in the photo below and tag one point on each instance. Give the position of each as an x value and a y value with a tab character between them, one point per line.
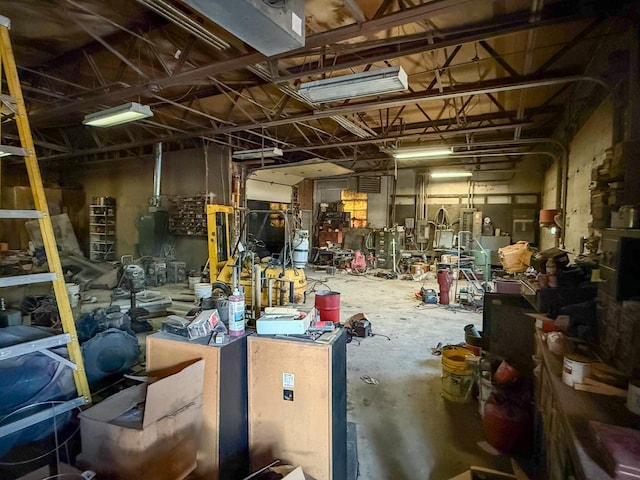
297	404
325	237
223	450
160	443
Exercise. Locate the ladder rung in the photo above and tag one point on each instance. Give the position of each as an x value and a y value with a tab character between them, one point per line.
13	107
8	150
17	280
34	346
55	410
20	214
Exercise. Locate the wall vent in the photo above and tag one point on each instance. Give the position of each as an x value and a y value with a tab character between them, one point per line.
369	184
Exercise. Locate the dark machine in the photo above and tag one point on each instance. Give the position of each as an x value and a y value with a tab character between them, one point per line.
133	280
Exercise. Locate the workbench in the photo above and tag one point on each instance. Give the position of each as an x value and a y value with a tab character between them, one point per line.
565	413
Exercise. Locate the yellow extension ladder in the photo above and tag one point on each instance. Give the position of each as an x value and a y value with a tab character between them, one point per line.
13	103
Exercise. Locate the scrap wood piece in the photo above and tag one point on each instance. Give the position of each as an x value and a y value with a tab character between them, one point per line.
593	386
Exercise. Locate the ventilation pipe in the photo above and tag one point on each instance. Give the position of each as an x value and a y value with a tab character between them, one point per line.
157	174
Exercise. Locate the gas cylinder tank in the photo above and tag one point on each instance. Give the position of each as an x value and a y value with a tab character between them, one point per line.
292	275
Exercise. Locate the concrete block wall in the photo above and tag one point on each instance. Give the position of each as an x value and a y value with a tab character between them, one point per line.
586	151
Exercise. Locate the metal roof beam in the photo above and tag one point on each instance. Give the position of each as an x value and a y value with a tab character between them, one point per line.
490	86
413	136
413	44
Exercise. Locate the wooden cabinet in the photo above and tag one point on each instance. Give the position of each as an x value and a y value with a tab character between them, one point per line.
297	404
223	448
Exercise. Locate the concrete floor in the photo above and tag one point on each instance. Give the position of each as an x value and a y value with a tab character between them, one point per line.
406	430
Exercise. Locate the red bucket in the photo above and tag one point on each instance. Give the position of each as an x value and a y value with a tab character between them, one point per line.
328	305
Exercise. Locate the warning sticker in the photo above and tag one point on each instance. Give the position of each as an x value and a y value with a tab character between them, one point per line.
288	380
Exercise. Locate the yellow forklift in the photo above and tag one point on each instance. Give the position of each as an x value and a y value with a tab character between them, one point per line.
265	284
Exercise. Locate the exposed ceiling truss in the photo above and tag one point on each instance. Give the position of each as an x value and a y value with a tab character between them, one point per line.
479	71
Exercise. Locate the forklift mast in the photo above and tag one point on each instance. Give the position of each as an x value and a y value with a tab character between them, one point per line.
219	228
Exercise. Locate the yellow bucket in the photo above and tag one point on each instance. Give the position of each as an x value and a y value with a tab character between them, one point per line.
457	374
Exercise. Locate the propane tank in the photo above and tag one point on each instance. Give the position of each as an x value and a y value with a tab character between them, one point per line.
236	313
444	281
358	264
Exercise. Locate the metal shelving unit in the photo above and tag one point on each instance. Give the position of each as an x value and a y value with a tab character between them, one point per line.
102	232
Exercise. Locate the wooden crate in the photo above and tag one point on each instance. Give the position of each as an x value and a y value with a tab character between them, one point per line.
223	447
297	404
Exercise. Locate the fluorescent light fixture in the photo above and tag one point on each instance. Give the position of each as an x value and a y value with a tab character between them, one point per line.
268	152
451	174
373	82
129	112
421	153
352	127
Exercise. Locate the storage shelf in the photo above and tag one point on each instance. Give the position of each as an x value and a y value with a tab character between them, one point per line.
187	216
102	245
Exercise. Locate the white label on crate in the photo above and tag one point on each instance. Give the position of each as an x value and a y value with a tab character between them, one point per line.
288	380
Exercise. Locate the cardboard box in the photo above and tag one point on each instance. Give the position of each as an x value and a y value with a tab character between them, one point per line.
288	472
162	442
479	473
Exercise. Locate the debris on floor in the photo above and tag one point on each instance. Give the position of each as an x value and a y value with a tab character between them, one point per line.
369	380
437	350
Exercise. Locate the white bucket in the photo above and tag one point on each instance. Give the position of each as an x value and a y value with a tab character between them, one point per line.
193	281
300	246
202	290
73	292
575	369
633	397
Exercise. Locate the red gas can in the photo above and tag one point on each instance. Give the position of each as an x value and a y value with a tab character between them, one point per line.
444	281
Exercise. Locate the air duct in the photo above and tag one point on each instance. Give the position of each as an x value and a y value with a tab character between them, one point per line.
157	173
269	26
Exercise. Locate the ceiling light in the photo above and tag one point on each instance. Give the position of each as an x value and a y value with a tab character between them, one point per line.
268	152
451	174
422	153
352	127
129	112
373	82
